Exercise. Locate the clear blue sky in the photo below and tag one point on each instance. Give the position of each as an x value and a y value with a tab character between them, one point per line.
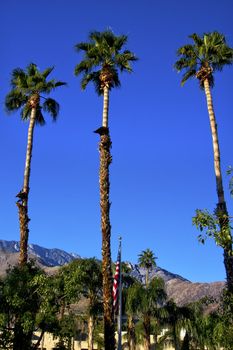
162	166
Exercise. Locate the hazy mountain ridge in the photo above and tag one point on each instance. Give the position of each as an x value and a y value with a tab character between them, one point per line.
47	257
178	288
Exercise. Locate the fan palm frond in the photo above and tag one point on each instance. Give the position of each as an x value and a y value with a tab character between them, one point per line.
52	107
15	100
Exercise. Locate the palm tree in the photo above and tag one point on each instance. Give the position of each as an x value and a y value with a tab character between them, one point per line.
103	59
145	302
90	280
201	60
27	87
147	260
176	318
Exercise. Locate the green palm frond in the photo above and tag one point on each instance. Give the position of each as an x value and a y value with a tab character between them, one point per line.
19	79
15	100
32	70
82	46
52	107
191	73
39	117
123	60
84	67
197	39
115	78
120	41
47	87
91	77
25	112
47	71
59	83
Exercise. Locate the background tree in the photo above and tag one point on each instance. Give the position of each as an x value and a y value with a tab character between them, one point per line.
145	301
89	279
103	59
21	300
201	60
27	87
146	259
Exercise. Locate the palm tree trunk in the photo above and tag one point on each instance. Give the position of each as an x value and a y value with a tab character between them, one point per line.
23	195
221	205
131	333
146	325
105	107
105	161
90	332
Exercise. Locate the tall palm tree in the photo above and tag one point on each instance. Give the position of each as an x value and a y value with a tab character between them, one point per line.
210	53
103	59
27	88
146	259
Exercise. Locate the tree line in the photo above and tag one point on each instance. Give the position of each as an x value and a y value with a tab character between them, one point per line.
104	57
33	301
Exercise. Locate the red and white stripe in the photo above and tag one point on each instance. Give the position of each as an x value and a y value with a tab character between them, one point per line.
116	286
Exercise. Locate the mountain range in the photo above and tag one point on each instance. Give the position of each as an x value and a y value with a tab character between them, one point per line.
178	288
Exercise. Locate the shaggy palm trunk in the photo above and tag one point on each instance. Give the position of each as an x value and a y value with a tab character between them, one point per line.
146	326
90	332
21	340
105	161
221	205
131	334
22	203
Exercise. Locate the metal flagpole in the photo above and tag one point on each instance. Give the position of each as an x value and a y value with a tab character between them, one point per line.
119	321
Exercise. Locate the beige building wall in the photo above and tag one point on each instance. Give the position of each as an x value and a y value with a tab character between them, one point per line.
49	342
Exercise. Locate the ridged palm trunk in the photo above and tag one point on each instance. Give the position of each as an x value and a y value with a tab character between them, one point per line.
221	205
22	203
90	332
105	161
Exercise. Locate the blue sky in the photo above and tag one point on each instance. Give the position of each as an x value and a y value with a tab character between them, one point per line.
162	166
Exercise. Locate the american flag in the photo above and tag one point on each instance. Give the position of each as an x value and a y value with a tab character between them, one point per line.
116	281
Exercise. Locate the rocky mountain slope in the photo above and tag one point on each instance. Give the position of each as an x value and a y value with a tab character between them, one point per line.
178	288
47	257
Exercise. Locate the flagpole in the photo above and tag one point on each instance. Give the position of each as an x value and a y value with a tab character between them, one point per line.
119	321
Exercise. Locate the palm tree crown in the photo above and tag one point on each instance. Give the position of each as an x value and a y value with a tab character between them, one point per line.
147	259
27	87
206	55
103	59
